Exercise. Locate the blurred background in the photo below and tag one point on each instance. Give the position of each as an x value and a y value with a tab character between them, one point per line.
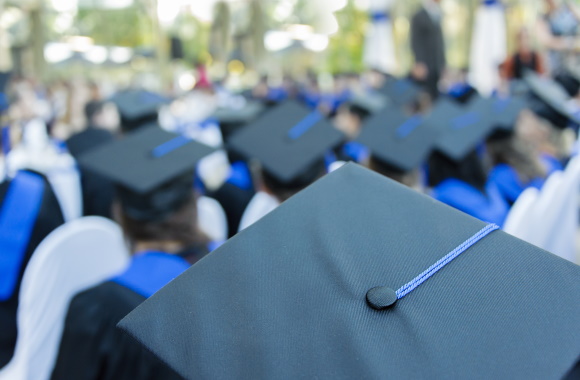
117	40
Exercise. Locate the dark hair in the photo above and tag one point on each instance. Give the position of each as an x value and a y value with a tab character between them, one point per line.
283	190
93	108
180	226
469	170
506	148
408	179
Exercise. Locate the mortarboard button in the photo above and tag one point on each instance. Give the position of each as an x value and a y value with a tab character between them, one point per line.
381	298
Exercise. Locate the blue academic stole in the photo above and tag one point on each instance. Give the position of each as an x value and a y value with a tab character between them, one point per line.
17	218
150	271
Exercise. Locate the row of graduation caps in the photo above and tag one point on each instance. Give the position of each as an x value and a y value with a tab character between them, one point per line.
332	255
293	143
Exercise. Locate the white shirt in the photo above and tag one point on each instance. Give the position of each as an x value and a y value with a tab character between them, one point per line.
261	204
434	9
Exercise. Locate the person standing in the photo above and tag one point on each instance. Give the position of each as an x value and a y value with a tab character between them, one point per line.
525	58
428	46
558	32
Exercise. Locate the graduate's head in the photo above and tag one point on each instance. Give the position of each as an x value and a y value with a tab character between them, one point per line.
138	108
470	169
289	142
153	171
283	190
349	119
399	144
504	147
459	150
178	228
102	114
524	43
407	178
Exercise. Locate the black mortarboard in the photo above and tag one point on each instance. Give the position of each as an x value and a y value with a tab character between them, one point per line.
549	100
569	82
138	108
505	112
369	103
401	91
397	140
153	170
466	131
232	119
303	293
441	116
287	141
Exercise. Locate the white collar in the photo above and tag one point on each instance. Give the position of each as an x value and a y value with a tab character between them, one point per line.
433	8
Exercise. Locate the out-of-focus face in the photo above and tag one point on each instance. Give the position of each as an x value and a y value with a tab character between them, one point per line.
108	118
347	122
551	5
524	41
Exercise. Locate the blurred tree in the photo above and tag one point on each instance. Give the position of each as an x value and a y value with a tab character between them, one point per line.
130	26
257	30
220	33
345	50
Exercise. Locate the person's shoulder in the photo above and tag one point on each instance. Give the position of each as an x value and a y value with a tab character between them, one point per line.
88	139
108	300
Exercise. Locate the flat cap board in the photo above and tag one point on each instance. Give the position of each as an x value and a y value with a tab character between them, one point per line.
552	94
136	104
145	159
287	140
398	140
287	297
467	130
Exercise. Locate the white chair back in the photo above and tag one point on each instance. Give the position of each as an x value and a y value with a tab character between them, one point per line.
212	219
74	257
562	225
520	214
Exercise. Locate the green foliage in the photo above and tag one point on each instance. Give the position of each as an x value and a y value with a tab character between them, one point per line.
116	27
345	52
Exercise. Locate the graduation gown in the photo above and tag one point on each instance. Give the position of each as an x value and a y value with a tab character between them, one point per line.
49	218
98	192
489	207
92	348
510	186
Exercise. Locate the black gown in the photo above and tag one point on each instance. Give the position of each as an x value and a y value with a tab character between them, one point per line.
49	218
98	192
93	348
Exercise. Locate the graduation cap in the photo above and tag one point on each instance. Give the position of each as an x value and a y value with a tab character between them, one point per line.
505	112
288	141
153	170
138	108
401	91
397	140
369	103
549	100
358	277
466	131
232	119
443	113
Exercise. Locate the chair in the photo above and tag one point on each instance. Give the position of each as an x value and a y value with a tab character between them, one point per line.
559	220
212	219
74	257
521	212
